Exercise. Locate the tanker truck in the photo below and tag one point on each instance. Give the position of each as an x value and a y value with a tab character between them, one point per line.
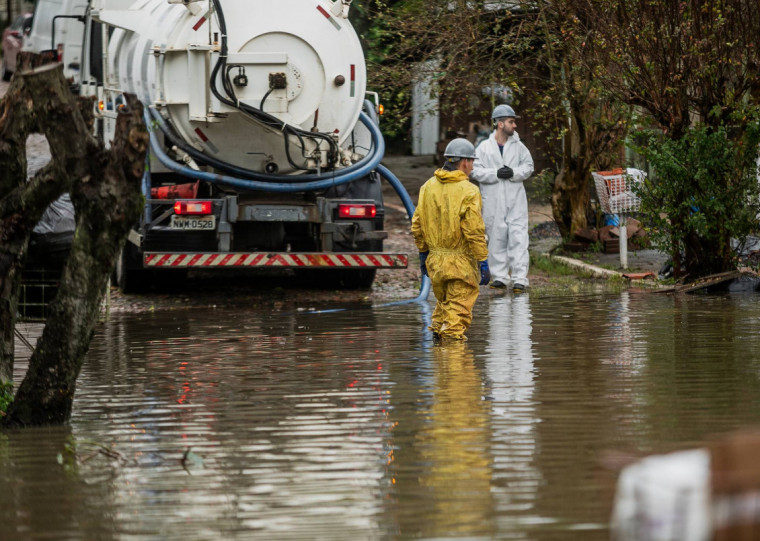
264	144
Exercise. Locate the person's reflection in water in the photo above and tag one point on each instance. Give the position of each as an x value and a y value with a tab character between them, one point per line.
511	375
458	477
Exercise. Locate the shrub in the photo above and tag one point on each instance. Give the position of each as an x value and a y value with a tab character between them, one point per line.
703	192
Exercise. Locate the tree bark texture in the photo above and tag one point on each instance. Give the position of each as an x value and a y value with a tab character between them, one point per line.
37	93
105	191
570	196
594	130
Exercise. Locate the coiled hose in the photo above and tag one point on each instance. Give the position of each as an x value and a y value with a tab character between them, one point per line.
333	179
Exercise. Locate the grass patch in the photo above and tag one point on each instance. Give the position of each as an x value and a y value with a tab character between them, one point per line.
574	287
553	278
542	263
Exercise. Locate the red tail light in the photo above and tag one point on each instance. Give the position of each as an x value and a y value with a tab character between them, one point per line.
192	207
59	51
357	211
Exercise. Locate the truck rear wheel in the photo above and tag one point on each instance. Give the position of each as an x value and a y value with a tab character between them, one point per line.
355	279
130	277
336	279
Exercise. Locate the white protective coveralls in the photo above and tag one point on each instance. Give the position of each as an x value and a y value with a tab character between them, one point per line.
505	206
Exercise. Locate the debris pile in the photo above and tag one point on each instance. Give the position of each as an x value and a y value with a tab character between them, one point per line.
607	238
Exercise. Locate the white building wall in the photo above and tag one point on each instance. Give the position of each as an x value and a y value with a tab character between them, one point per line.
425	111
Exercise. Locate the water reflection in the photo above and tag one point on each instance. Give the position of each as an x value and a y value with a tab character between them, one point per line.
43	492
277	413
706	366
510	372
240	424
454	449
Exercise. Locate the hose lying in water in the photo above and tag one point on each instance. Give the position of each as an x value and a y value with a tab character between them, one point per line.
409	206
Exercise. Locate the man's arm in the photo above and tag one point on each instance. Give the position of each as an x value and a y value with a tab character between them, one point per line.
473	229
417	233
480	171
524	169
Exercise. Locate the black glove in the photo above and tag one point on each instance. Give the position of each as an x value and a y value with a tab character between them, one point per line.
505	173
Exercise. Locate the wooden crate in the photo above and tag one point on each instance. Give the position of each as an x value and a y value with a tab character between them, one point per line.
612	246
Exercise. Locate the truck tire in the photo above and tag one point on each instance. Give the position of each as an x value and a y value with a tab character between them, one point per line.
5	73
129	276
335	279
356	279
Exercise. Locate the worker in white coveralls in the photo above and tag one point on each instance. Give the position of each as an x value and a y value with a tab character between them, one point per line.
502	164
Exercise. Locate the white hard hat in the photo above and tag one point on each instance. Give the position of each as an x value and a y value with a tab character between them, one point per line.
503	111
459	148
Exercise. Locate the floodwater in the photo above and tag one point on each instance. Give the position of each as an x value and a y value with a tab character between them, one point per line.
215	424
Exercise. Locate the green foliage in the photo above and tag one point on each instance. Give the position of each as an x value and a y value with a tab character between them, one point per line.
677	60
381	37
550	266
705	187
564	280
426	41
6	396
581	68
541	186
595	247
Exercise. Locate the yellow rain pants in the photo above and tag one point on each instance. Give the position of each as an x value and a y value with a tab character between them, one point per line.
448	223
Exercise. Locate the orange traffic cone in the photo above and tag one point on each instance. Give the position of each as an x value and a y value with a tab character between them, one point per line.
178	191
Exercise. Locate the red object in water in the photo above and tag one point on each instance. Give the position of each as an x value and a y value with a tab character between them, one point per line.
639	275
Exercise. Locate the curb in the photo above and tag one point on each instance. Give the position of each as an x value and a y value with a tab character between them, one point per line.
599	272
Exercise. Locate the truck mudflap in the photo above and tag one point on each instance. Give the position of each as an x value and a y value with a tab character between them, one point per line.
324	260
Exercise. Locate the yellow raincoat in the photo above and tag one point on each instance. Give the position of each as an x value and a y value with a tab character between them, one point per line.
448	223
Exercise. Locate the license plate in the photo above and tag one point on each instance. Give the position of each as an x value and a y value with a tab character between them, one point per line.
195	223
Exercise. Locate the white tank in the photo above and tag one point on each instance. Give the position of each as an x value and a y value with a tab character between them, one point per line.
302	55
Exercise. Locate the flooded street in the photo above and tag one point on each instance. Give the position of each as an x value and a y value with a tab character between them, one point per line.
236	424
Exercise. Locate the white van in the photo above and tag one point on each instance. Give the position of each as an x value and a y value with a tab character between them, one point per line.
59	25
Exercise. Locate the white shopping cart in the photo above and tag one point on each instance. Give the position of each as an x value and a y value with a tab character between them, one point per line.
617	196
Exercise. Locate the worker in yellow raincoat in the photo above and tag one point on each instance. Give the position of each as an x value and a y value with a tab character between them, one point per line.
449	232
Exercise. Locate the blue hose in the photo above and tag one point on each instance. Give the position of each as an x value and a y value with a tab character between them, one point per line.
409	206
326	181
400	190
245	174
342	177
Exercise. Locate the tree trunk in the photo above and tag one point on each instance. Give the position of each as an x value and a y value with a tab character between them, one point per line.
105	190
19	212
35	93
570	197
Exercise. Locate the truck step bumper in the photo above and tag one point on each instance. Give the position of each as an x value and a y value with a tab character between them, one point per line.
361	260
